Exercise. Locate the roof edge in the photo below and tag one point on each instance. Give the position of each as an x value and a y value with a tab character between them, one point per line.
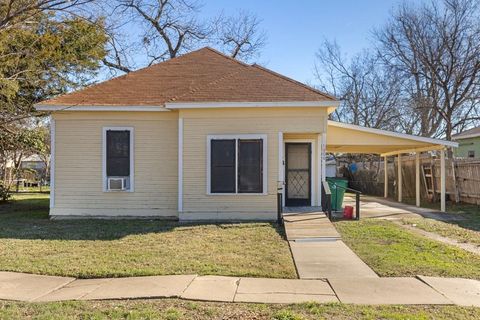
465	136
251	104
393	134
51	108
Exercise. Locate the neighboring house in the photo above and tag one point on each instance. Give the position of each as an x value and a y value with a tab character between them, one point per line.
201	136
468	143
33	162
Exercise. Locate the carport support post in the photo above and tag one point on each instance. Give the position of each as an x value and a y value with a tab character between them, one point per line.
385	176
399	178
417	179
442	181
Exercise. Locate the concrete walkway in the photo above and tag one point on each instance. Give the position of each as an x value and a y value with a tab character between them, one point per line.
318	251
420	290
381	208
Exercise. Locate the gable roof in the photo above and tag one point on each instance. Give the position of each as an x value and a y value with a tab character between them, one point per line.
472	133
205	75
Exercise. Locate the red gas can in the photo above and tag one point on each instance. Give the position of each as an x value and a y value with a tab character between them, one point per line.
348	212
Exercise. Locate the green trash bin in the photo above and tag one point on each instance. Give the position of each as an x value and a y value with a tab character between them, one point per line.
337	193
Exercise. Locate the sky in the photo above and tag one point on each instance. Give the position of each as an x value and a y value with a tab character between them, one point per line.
296	29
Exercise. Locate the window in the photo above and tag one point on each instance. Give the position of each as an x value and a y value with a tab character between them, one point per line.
118	159
471	153
236	164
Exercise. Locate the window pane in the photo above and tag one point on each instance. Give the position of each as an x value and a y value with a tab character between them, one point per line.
222	166
250	161
118	153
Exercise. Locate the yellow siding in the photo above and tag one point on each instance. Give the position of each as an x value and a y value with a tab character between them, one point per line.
200	123
78	164
354	141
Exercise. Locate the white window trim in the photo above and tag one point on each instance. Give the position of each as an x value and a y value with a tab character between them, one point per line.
104	158
237	137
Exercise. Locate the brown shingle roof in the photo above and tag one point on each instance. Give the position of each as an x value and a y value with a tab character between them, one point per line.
204	75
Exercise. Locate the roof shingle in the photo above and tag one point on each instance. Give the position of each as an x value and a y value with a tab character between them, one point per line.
204	75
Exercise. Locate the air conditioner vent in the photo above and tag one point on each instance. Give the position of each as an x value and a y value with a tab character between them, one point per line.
117	184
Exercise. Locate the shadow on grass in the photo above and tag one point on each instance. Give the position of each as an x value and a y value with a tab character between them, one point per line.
28	218
465	215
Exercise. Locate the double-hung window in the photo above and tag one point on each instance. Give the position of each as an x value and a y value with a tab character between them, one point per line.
118	159
237	164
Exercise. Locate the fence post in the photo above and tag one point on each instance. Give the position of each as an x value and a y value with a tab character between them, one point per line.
357	206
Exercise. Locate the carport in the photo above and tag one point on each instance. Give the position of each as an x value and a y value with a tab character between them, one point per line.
348	138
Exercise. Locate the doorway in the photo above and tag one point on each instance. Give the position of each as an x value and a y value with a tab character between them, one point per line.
298	174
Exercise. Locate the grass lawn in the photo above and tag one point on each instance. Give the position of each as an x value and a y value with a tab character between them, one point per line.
465	230
470	213
173	309
391	250
446	229
30	242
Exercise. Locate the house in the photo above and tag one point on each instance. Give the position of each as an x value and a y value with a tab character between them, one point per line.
200	137
468	143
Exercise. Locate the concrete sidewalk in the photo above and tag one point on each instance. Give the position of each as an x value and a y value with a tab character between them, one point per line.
381	208
421	290
318	251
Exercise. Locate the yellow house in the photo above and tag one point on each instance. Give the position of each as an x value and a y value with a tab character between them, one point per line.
200	137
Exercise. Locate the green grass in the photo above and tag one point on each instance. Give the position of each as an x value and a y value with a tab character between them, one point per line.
445	229
391	250
466	229
469	213
30	242
173	309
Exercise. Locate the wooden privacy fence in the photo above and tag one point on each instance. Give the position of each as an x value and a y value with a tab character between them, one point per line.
462	183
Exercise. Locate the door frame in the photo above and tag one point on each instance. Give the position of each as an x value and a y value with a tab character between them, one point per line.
313	156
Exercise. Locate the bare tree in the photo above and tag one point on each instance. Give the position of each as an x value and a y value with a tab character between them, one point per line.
240	35
172	27
370	97
435	50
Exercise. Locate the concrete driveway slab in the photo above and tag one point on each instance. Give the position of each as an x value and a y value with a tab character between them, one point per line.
75	290
284	291
212	288
28	287
141	287
328	259
464	292
386	291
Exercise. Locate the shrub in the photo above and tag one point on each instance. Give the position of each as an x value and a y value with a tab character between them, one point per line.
4	193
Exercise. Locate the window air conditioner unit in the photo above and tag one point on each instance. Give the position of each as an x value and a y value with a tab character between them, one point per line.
117	184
